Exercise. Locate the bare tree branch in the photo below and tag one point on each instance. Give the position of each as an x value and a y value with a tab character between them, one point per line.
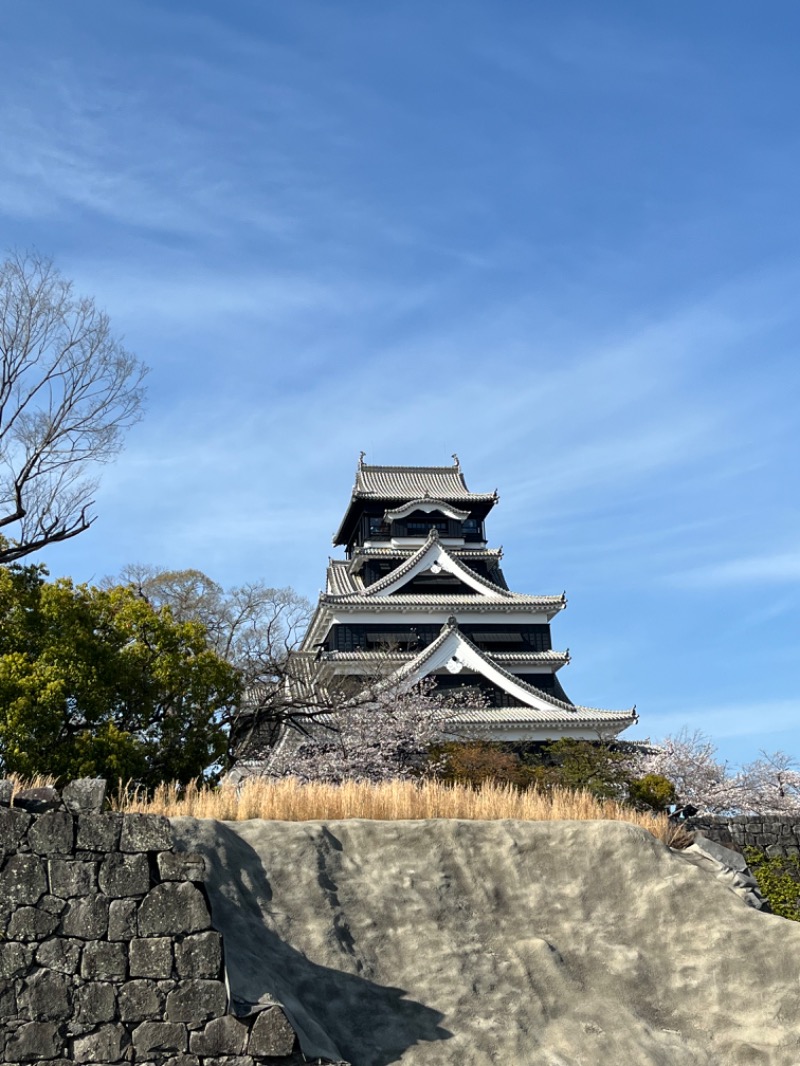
68	391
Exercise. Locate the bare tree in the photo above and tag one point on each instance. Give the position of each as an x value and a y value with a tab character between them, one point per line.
68	390
256	628
328	725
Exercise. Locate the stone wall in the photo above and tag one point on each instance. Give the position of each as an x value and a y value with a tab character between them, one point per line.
107	950
774	835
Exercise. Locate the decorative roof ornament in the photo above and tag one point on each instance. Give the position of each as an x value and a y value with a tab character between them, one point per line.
457	462
361	457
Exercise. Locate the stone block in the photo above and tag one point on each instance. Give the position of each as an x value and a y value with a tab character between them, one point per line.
140	1001
228	1060
106	1044
220	1036
122	919
145	832
22	879
45	996
85	795
15	959
104	961
33	1042
713	850
52	834
60	953
93	1003
159	1037
182	1060
173	909
13	828
98	832
151	957
6	792
271	1034
199	955
52	904
69	878
124	875
195	1002
181	866
37	800
31	923
8	1001
86	918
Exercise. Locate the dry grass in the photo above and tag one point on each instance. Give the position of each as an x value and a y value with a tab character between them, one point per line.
38	781
289	800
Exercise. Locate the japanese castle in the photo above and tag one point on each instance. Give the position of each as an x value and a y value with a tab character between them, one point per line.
421	594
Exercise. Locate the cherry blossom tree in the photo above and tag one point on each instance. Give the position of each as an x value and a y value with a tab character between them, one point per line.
768	785
383	734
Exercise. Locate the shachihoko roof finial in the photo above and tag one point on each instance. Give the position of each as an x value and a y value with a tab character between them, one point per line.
361	459
456	461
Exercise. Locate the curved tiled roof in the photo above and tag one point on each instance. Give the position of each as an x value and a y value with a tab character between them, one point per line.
450	627
341	581
401	551
344	585
414	482
528	657
398	602
509	717
408	565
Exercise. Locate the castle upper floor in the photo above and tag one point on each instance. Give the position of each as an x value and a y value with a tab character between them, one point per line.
398	506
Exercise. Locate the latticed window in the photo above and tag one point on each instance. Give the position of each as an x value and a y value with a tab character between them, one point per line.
421	527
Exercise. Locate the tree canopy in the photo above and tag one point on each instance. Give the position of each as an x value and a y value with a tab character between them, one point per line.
101	682
68	391
254	627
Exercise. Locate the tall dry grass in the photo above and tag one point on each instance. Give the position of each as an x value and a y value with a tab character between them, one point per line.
19	784
287	799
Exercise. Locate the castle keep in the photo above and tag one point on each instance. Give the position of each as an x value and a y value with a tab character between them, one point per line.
421	594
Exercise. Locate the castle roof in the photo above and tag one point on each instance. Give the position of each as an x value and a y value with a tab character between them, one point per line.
403	484
452	646
346	588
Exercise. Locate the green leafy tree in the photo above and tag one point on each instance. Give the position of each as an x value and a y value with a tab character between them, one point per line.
598	768
99	681
652	792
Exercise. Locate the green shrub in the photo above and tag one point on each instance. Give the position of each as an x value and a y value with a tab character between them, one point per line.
778	880
475	763
653	792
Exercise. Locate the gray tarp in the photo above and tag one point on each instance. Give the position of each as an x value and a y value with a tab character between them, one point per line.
469	943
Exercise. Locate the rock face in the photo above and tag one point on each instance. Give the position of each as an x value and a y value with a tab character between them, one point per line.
444	942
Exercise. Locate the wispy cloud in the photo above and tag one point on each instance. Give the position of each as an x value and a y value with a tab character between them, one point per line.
762	722
781	567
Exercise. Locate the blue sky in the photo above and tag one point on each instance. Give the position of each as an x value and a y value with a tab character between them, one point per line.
560	240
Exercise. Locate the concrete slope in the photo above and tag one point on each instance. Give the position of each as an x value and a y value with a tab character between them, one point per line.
546	943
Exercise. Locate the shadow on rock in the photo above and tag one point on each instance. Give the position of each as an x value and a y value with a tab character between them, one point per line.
336	1015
